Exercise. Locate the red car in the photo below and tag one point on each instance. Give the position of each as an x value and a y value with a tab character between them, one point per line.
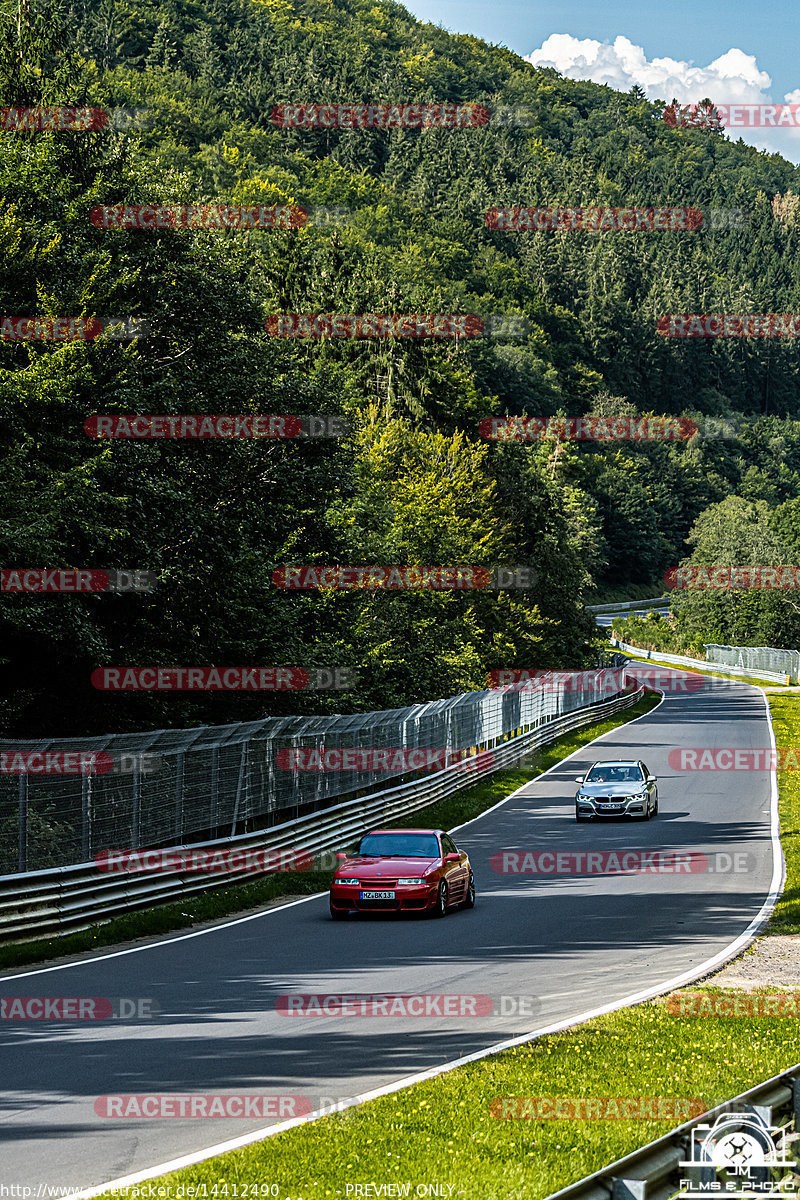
403	870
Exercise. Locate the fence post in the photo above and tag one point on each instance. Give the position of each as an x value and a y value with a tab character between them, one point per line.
136	800
242	766
22	848
214	789
178	797
86	816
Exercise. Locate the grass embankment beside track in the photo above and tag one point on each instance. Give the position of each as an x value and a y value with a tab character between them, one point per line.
442	1131
785	710
215	904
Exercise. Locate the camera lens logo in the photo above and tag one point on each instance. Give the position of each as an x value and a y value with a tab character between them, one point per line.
740	1148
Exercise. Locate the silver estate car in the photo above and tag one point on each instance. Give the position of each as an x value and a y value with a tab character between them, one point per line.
616	789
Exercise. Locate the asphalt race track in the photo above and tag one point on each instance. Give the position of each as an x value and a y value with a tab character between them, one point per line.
573	941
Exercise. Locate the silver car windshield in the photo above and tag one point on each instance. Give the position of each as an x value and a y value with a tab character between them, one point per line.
606	774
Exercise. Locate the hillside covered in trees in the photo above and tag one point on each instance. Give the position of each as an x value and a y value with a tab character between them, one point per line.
398	226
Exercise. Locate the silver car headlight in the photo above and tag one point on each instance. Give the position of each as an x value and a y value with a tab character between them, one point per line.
413	880
349	882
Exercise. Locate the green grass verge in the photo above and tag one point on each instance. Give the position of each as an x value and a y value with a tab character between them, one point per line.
214	904
785	711
442	1131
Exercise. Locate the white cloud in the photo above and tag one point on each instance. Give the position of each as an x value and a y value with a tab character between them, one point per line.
733	78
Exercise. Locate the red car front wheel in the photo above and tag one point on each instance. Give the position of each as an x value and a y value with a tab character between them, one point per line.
440	908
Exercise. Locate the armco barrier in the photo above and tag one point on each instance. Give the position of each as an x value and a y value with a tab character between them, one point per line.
679	660
65	899
629	605
654	1172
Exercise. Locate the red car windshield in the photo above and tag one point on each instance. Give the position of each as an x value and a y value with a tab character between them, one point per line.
399	845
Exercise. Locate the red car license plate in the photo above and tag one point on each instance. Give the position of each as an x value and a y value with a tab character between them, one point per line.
377	895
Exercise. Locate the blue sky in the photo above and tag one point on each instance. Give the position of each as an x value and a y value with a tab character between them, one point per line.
694	33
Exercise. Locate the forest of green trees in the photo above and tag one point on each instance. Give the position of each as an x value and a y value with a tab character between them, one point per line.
412	481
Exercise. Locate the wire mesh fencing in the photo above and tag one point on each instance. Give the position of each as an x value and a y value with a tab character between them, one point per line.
65	801
757	658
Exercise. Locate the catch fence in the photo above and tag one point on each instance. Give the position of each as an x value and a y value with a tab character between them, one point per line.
757	658
172	787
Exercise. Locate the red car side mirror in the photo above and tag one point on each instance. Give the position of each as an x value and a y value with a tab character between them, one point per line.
452	857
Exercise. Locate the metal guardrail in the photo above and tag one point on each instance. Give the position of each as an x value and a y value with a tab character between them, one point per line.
679	660
652	1173
67	899
629	605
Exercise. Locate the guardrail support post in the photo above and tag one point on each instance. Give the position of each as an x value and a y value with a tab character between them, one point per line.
22	847
629	1189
